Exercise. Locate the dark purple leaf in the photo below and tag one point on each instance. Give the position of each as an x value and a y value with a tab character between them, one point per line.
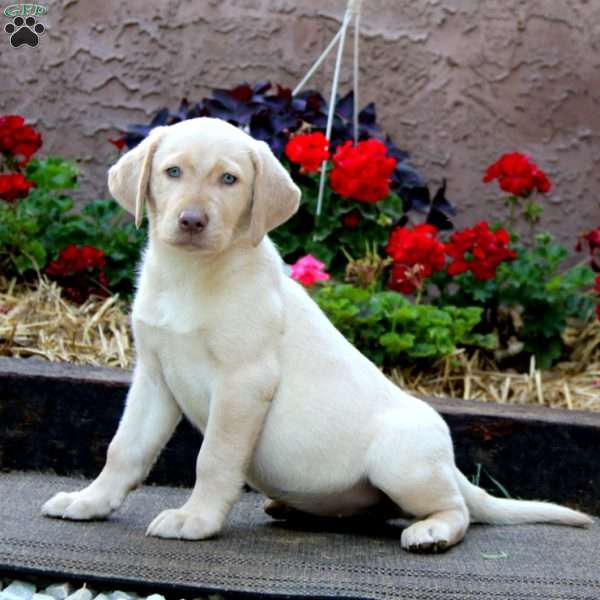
401	222
183	110
243	113
367	115
197	110
441	203
417	197
299	104
261	127
345	106
393	150
160	118
261	87
278	103
317	120
216	108
225	99
283	121
405	176
277	144
138	129
439	219
132	139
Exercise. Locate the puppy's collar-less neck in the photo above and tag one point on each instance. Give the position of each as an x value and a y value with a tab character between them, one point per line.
179	267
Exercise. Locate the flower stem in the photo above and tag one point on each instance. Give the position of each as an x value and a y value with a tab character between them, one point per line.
512	203
419	294
532	232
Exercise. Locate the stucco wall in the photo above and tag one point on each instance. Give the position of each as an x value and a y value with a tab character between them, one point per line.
456	82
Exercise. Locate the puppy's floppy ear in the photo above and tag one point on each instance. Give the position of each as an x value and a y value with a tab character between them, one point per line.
128	178
275	197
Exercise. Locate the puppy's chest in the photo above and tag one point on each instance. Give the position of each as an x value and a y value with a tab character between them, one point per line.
188	372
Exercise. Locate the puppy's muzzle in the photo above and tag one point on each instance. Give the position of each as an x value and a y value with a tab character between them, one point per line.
192	221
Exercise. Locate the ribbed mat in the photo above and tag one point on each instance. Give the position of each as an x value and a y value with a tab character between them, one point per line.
261	557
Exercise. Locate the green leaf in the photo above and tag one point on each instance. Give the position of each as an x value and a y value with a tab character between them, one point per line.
52	173
37	252
423	350
404	314
500	487
395	343
489	341
22	263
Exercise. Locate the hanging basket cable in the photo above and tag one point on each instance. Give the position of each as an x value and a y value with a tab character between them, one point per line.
355	75
352	11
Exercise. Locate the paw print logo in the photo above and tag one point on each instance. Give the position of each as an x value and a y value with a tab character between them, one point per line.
24	31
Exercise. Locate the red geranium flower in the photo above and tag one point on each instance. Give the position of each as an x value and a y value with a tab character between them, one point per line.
517	175
309	150
8	124
417	254
119	143
242	93
362	172
351	219
75	259
78	269
592	239
13	186
18	139
406	280
479	250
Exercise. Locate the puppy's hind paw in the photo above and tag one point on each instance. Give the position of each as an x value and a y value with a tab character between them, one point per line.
426	538
279	510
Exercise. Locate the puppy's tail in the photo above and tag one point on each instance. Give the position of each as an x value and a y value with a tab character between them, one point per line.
485	508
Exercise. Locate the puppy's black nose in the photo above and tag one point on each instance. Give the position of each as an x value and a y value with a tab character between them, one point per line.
192	221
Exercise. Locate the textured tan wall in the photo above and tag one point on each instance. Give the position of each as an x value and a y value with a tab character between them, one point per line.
456	81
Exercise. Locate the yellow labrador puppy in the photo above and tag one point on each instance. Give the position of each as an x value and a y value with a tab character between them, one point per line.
285	403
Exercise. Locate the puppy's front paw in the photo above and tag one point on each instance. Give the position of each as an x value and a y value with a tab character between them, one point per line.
78	506
183	525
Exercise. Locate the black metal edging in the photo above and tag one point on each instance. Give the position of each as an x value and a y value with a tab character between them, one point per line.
60	418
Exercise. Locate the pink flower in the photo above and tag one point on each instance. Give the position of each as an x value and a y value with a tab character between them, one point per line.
308	270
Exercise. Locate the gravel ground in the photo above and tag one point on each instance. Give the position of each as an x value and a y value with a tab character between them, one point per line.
19	589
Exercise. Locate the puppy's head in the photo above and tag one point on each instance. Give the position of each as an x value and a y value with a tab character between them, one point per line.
205	183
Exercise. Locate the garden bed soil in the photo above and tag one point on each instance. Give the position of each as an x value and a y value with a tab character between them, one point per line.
60	418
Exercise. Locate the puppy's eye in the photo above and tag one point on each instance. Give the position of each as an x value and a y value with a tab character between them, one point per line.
173	172
228	179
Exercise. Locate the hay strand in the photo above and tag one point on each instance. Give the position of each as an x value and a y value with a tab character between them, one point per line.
38	321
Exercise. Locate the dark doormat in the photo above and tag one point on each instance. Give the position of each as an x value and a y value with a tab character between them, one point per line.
260	557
